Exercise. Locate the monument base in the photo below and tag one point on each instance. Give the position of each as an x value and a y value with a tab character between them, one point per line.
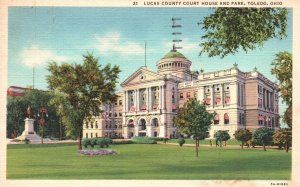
29	132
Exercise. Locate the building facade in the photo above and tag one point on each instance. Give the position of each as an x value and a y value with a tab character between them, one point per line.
149	100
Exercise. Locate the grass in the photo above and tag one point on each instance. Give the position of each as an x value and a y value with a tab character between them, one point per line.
140	161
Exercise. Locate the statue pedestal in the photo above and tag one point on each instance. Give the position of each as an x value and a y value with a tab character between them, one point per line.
29	132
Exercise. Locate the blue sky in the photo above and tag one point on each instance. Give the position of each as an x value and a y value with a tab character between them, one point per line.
116	35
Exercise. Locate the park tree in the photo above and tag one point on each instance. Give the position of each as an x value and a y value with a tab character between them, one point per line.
243	135
80	89
282	69
221	136
193	119
283	137
16	113
229	29
263	136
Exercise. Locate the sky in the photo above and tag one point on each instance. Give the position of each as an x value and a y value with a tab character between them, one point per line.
115	35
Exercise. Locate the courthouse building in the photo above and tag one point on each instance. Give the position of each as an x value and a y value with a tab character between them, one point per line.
149	100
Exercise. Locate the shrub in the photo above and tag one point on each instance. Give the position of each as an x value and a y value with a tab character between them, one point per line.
283	138
93	142
104	142
86	142
123	142
181	141
221	136
143	140
243	135
263	136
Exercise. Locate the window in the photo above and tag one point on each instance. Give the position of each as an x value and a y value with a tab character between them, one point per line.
86	135
240	118
216	119
96	125
181	95
91	135
188	94
92	125
87	125
226	118
116	115
120	114
116	103
109	115
120	102
96	135
155	122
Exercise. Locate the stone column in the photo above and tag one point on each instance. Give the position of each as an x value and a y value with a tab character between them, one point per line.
126	101
222	94
163	97
136	127
212	100
150	98
137	95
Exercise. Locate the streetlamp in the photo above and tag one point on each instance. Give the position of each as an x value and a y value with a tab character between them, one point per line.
42	113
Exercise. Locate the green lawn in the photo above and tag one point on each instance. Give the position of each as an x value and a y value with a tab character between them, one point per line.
141	161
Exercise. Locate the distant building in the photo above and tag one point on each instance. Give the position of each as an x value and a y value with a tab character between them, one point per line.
149	100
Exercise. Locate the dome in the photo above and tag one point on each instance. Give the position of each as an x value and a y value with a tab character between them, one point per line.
174	63
173	54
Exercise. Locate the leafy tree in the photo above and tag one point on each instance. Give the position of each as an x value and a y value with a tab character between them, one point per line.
221	136
16	113
263	136
243	135
283	137
193	119
283	66
229	29
80	89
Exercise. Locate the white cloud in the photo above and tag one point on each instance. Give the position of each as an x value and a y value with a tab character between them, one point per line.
112	42
37	56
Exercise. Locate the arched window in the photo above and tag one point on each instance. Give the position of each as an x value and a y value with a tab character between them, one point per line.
155	122
142	124
216	119
87	125
92	125
96	125
226	118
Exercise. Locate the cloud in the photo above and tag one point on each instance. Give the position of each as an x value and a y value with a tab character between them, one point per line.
36	56
113	43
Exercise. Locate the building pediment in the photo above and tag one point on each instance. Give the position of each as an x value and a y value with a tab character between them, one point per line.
142	76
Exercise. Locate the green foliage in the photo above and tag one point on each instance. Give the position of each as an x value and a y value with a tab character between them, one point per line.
86	142
263	136
181	141
80	89
243	135
16	113
122	142
93	142
143	140
229	29
282	69
221	136
104	142
283	138
193	119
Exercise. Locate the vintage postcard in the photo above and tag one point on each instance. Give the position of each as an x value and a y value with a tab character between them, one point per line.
143	93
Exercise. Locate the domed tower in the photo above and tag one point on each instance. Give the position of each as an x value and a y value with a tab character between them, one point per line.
176	64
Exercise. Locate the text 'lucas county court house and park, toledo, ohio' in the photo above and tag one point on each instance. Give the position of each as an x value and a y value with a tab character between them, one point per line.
149	100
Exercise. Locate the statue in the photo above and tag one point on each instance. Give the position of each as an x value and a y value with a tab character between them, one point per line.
29	112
